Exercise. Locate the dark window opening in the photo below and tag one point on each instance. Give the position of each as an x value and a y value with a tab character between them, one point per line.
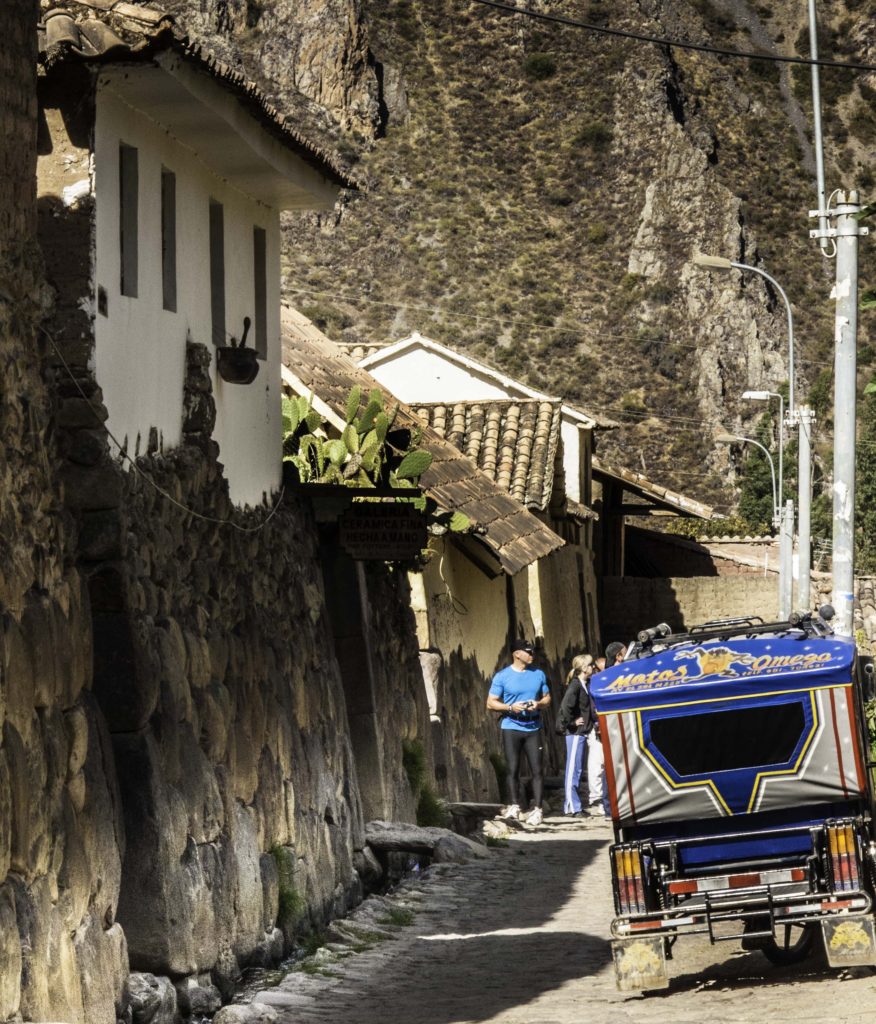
721	741
168	239
217	271
128	216
260	274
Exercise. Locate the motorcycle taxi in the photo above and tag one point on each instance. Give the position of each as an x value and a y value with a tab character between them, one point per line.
739	783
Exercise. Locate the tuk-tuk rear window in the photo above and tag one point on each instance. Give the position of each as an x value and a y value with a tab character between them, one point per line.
721	741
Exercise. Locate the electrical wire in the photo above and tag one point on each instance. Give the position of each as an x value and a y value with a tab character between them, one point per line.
145	476
455	314
642	37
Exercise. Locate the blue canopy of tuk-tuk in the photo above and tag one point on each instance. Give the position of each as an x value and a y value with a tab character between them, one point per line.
722	668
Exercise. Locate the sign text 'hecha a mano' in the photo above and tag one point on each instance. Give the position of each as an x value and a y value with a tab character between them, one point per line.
384	532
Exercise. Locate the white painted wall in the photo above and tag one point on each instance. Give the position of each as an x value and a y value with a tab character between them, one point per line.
571	456
417	374
420	375
139	346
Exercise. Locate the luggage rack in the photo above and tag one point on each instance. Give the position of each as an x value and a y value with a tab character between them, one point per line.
660	637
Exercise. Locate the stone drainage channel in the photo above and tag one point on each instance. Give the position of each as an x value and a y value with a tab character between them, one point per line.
519	934
413	856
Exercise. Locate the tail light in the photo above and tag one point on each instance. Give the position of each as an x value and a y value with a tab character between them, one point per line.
629	871
842	848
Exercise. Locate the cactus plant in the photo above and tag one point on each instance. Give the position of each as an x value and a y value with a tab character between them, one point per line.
369	453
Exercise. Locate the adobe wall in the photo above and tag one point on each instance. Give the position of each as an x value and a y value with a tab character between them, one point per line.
631	603
547	599
462	617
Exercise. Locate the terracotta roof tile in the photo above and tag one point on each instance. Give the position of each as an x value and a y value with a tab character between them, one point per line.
104	31
660	496
514	441
514	535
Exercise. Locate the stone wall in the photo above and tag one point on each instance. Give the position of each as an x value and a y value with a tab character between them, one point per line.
62	956
631	603
402	710
216	673
18	121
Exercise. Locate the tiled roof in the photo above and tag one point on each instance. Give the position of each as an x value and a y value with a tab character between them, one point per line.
373	355
105	31
513	534
515	443
660	497
357	351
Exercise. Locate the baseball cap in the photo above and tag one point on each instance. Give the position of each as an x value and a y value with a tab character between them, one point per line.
520	644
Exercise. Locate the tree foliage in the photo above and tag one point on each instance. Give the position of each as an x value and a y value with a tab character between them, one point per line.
756	497
865	488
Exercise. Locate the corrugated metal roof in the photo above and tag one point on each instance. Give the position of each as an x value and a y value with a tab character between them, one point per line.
105	31
515	442
514	535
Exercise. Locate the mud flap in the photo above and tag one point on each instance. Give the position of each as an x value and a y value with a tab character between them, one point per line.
640	964
849	941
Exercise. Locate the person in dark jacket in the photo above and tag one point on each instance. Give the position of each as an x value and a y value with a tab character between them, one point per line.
615	653
576	719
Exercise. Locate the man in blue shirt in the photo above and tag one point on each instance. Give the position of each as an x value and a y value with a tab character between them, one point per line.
520	692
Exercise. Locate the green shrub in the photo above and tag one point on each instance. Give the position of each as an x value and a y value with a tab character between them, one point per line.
597	234
540	66
431	809
596	136
327	318
414	764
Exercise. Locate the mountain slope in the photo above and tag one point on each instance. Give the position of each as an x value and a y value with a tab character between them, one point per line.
536	192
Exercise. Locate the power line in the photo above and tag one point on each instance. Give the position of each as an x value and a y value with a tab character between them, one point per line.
642	37
458	315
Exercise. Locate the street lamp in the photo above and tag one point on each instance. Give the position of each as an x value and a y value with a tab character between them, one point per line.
782	518
803	418
765	396
720	263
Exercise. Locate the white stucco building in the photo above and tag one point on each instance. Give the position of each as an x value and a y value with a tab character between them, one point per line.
183	169
418	369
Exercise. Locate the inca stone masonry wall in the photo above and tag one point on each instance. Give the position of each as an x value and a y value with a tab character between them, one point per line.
61	951
215	670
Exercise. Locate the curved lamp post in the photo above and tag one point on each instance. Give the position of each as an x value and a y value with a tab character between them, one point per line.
782	519
802	418
719	263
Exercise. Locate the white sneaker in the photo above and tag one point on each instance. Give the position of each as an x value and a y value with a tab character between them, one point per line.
511	811
534	817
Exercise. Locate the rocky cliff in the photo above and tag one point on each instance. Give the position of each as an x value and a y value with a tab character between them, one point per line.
535	193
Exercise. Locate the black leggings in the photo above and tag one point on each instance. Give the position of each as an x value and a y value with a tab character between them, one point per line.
516	740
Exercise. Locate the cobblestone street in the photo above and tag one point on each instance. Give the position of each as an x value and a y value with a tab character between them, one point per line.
523	937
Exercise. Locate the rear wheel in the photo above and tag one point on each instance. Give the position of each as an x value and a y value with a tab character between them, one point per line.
792	944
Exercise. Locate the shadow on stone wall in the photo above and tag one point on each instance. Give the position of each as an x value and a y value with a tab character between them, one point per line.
216	673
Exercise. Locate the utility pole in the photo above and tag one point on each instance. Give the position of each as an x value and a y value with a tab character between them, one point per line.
786	556
844	402
844	237
805	419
